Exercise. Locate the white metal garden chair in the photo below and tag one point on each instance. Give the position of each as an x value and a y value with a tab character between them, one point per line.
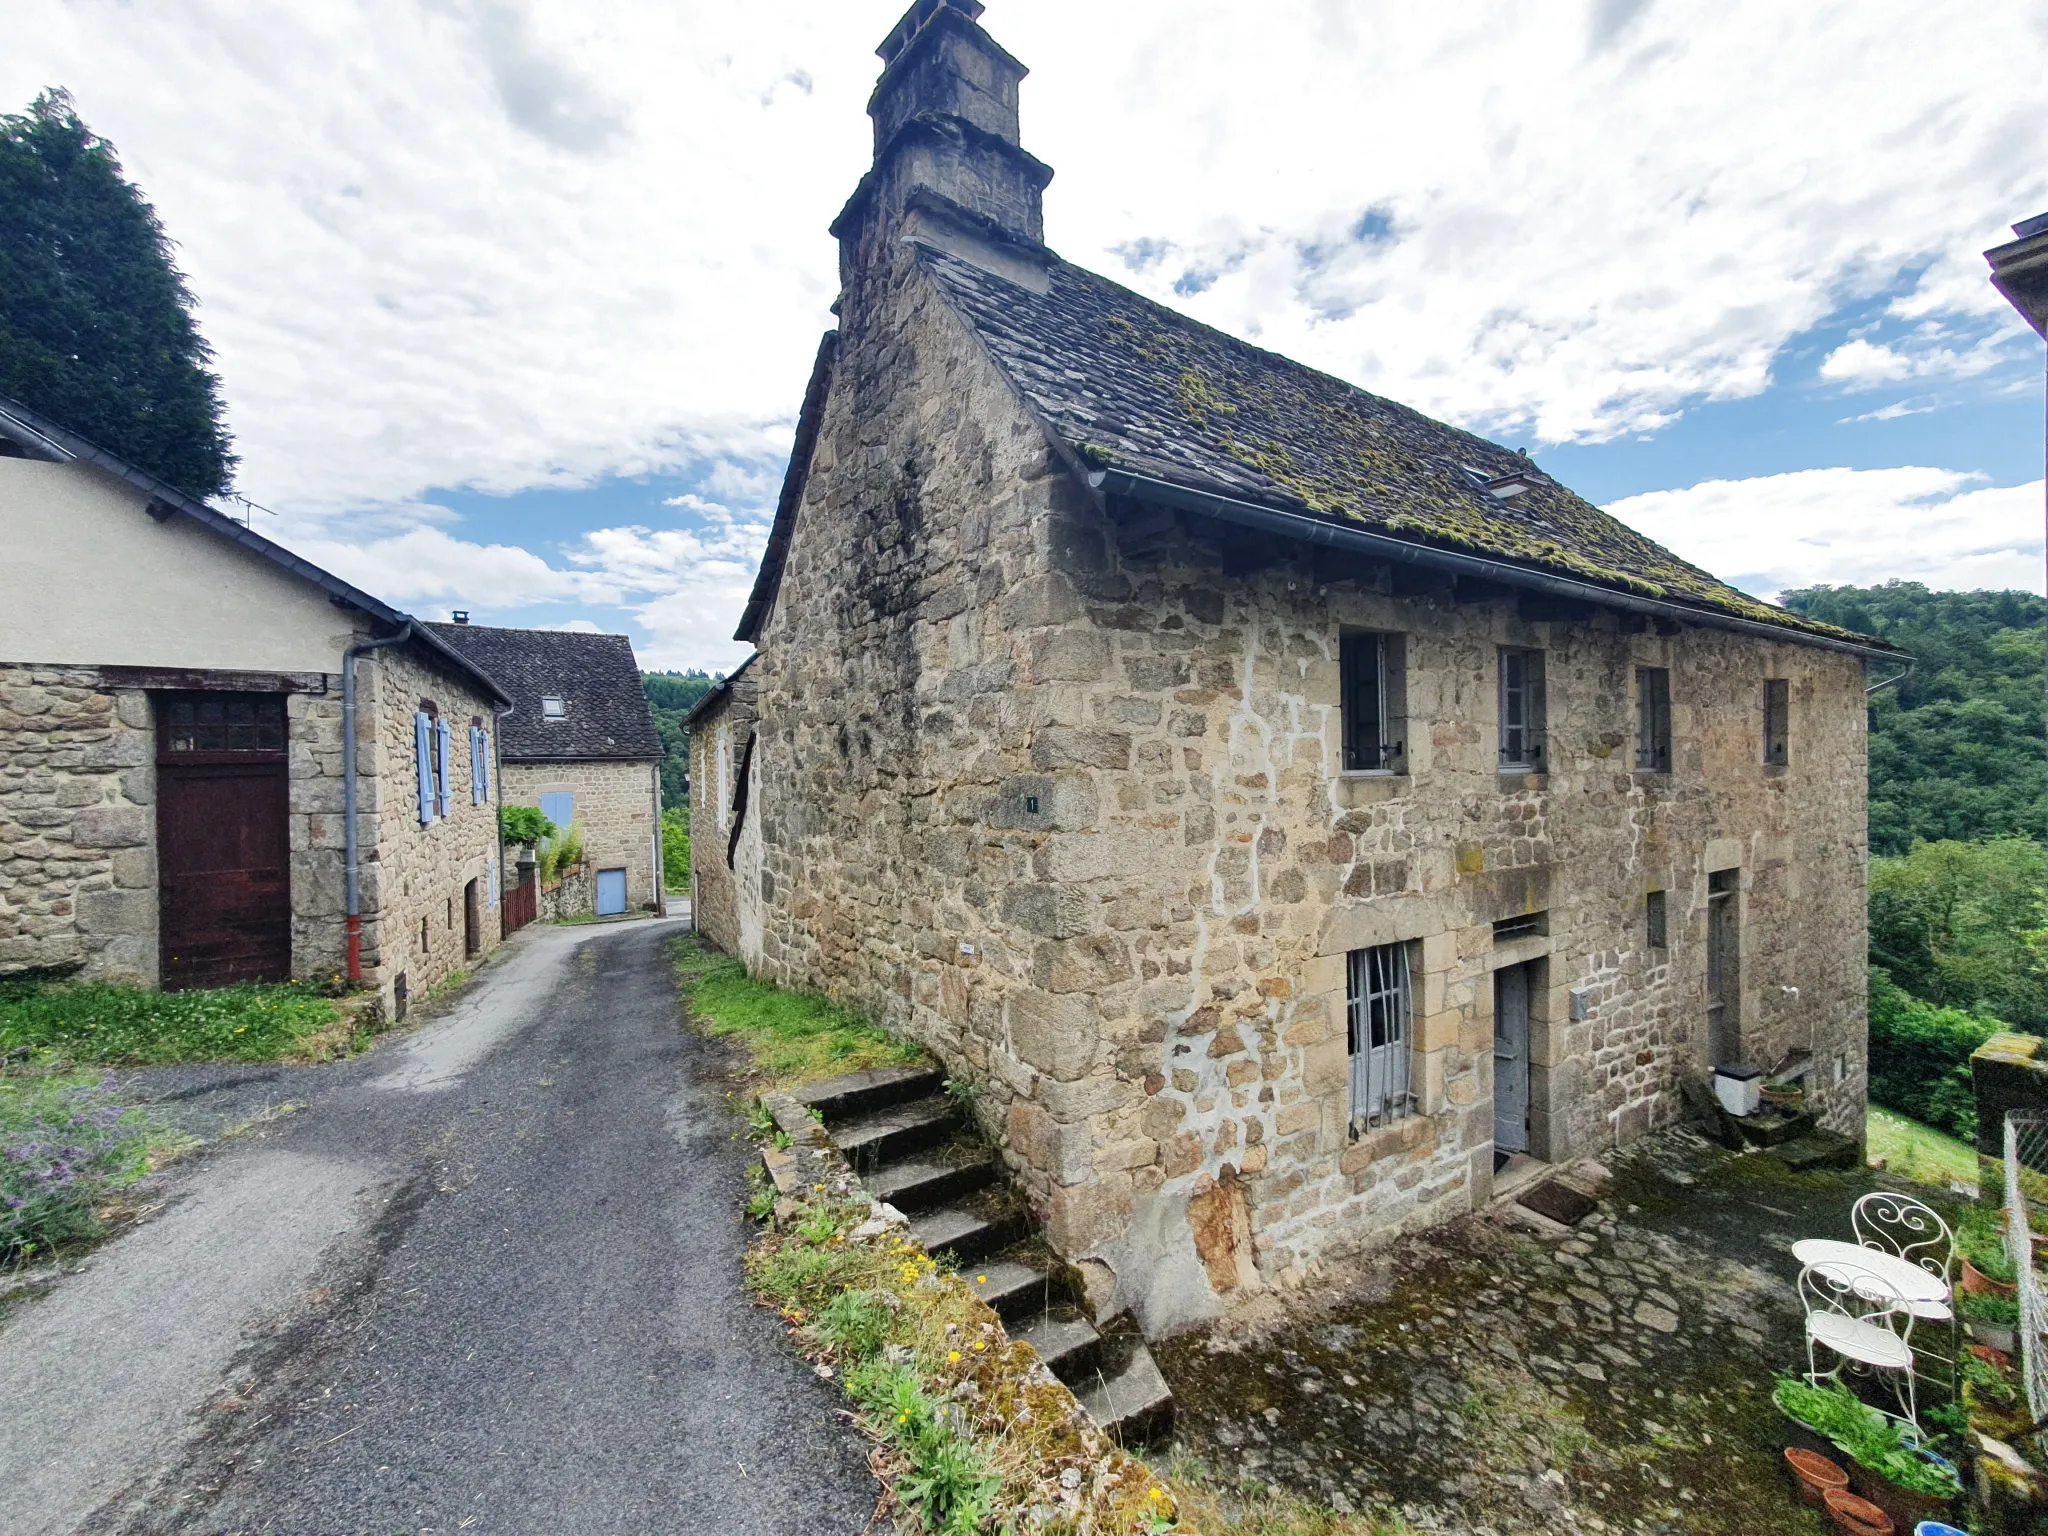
1857	1316
1911	1230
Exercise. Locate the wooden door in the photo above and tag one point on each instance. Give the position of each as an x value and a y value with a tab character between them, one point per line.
223	845
1511	1058
473	918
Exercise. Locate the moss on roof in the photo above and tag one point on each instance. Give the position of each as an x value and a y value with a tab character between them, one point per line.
1130	383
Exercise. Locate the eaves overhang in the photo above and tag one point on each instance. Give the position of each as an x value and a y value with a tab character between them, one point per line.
42	438
1379	546
2019	270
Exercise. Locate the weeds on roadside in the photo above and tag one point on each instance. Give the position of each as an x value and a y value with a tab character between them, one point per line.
793	1037
1218	1504
972	1437
66	1146
95	1022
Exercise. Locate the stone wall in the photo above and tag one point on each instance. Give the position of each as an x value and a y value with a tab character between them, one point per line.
1059	796
615	810
718	740
77	826
413	878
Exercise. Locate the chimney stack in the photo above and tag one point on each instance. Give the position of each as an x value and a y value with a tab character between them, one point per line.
949	168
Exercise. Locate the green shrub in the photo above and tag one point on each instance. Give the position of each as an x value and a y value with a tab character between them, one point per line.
1920	1057
563	851
675	849
1982	1241
524	825
97	1022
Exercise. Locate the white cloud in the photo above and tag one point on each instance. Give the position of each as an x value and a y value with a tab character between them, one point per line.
504	243
1865	363
1854	527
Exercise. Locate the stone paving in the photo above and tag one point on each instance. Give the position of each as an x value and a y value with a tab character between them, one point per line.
1499	1375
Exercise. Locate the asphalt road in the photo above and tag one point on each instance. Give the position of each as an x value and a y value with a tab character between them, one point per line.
486	1280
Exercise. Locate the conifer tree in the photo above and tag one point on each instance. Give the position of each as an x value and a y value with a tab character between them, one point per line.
96	327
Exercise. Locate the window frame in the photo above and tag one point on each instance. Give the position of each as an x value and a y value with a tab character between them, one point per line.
1777	722
1379	1001
1374	658
559	711
1528	693
1657	919
1653	719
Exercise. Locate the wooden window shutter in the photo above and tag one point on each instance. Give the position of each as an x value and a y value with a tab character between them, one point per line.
476	765
423	763
441	754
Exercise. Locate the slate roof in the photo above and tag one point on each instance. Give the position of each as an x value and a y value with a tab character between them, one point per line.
596	676
1128	384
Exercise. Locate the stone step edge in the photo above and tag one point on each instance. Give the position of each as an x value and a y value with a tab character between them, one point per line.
811	1164
876	1088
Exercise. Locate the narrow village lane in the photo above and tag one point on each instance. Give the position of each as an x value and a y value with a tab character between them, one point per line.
536	1322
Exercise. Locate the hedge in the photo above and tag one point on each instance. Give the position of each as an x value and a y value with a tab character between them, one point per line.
1920	1057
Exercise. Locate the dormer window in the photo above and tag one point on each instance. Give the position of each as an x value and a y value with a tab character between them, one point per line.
554	709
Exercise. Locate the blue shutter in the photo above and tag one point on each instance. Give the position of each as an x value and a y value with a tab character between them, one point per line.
423	763
476	768
441	761
491	878
560	809
483	757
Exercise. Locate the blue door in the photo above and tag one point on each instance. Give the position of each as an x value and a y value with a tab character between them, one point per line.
611	892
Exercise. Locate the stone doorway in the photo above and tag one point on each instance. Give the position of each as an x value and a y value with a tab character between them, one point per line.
1513	986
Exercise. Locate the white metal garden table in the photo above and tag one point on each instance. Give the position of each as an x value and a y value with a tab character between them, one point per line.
1924	1293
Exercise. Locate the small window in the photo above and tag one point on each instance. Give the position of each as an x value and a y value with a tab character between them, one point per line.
1657	911
1521	710
1528	925
1371	685
1377	1002
1777	723
1653	719
554	709
223	722
559	807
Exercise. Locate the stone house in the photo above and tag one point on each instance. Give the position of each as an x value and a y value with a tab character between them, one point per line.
175	767
1290	809
579	743
719	771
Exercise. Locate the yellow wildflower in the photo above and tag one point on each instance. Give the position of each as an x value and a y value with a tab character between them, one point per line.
953	1357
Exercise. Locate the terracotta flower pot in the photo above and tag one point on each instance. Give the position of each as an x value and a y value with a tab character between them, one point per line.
1905	1509
1814	1475
1854	1516
1977	1283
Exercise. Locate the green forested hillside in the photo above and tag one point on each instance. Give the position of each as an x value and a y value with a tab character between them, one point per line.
1956	749
672	695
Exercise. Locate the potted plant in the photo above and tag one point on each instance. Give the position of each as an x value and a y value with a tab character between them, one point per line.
1987	1271
1787	1095
1993	1319
1887	1466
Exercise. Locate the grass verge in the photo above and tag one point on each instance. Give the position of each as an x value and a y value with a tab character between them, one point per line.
71	1155
972	1434
97	1023
1919	1152
1216	1504
791	1037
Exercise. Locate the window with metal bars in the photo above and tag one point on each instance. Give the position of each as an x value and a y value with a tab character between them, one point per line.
1372	689
1521	710
1653	719
1377	999
1777	725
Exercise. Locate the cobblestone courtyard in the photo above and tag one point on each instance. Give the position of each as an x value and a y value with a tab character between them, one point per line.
1496	1377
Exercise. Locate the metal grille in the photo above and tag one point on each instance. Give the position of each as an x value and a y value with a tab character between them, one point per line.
2026	1196
1377	995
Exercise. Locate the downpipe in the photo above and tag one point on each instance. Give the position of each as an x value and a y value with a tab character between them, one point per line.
349	842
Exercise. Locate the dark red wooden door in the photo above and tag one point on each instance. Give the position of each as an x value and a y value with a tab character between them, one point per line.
223	845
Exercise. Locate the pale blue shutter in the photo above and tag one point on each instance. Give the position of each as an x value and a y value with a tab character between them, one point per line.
476	767
441	753
483	757
491	878
423	763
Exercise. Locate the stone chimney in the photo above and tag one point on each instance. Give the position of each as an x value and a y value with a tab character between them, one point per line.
949	169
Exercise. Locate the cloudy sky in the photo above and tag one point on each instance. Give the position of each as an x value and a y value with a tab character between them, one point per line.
514	300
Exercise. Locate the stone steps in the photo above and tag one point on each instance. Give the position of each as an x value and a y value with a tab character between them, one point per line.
913	1149
896	1131
919	1182
1818	1149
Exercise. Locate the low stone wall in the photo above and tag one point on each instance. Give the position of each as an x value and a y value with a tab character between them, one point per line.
574	895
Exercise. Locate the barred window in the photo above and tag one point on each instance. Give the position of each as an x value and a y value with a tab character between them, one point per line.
1377	998
1653	719
224	722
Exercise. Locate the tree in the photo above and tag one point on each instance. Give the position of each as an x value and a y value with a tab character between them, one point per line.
96	327
1956	748
1960	924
